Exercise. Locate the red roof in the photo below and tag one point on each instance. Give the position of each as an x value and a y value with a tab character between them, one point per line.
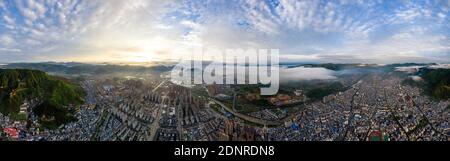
12	132
375	133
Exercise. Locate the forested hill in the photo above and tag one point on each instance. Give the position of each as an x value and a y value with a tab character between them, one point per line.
437	82
18	85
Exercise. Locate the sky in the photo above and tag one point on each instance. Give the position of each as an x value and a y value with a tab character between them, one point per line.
336	31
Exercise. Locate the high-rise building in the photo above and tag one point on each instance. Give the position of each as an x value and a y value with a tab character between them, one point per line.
234	101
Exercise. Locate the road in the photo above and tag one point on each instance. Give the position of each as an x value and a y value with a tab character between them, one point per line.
159	85
248	118
155	125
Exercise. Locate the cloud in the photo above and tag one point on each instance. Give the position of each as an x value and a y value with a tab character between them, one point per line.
9	50
409	69
286	75
336	31
8	20
441	15
408	15
416	78
320	31
25	8
302	73
6	40
440	66
74	28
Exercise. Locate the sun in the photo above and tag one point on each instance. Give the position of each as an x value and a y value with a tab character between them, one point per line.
139	57
146	50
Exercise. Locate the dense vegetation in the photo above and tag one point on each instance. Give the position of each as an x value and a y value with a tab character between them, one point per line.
319	92
437	82
54	94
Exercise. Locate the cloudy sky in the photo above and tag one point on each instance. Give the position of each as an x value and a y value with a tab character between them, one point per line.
349	31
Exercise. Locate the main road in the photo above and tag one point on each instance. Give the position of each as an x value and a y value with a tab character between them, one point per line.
154	126
246	117
159	85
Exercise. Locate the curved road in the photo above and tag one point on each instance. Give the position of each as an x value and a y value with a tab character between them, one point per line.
248	118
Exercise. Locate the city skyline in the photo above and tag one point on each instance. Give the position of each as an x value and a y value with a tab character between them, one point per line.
145	31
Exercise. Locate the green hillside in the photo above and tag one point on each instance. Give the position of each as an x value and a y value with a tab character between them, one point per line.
438	83
17	85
